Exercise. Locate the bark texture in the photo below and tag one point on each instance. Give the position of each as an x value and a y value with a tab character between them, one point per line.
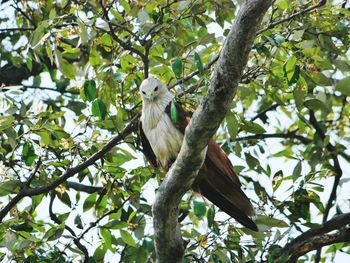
333	231
205	121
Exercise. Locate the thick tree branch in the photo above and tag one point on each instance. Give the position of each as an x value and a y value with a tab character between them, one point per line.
205	121
333	231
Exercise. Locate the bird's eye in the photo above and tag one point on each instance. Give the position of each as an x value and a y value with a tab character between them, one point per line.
156	88
144	92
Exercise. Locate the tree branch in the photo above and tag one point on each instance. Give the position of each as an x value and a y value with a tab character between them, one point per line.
85	188
270	26
76	241
205	121
26	191
333	231
92	225
288	135
336	168
301	12
17	29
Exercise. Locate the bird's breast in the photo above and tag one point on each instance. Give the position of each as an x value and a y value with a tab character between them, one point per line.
164	138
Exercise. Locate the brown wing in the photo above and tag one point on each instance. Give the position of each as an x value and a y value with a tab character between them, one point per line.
220	161
217	180
146	148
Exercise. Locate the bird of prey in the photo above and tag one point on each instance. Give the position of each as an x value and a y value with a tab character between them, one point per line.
162	125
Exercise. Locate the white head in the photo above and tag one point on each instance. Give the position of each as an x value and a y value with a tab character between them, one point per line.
152	89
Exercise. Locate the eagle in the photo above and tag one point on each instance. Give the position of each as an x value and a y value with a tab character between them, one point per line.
162	126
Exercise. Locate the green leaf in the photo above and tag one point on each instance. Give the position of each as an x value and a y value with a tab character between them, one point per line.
8	187
174	113
99	254
297	171
28	153
54	233
37	35
321	80
277	180
127	238
90	89
177	67
125	5
198	61
99	109
315	104
95	57
262	49
299	97
343	86
342	65
117	15
45	137
64	66
232	125
64	197
89	202
222	256
141	255
252	127
107	236
29	63
270	221
6	122
77	222
106	40
84	36
211	216
251	161
116	224
199	208
291	70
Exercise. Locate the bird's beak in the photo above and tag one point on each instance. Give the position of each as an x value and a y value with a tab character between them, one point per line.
150	97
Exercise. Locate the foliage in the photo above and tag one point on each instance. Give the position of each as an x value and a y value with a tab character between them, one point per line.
78	65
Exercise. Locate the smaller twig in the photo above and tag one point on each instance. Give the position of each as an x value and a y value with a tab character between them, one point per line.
25	191
301	12
17	29
76	241
26	87
23	13
92	225
262	113
32	176
288	135
194	73
86	188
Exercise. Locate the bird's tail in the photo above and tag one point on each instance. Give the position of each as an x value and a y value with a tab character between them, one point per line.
230	207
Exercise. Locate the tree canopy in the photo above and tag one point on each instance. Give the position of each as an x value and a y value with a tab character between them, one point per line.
74	185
